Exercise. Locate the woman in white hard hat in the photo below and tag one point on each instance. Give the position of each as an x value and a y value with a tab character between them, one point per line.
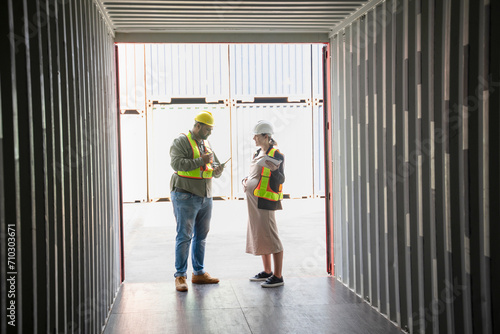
263	187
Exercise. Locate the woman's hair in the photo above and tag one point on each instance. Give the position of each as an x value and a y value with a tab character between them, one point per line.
272	142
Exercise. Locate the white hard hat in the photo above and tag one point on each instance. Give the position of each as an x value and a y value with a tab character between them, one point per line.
263	127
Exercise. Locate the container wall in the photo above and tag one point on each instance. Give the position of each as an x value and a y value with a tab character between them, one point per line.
132	80
173	81
186	71
134	176
415	105
160	72
165	123
293	132
318	150
290	71
59	186
232	137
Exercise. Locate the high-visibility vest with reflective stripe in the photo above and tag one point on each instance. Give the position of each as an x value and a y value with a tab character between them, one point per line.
203	172
263	189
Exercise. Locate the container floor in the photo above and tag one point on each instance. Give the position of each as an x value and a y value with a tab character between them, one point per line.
311	301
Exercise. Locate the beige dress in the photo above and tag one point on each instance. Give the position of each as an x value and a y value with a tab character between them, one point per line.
262	232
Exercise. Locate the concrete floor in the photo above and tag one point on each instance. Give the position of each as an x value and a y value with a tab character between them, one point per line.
309	302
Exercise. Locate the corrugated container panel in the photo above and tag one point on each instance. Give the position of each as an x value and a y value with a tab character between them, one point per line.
201	70
187	70
194	71
318	151
275	70
293	132
132	81
317	71
165	123
337	183
415	106
60	196
133	154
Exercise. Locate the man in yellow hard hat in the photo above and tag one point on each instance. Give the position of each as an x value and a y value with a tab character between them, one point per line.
194	164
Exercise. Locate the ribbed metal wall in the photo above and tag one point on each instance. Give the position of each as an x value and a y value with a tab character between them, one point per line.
165	123
131	64
232	137
217	72
133	154
293	130
275	70
59	176
228	74
186	70
416	110
318	150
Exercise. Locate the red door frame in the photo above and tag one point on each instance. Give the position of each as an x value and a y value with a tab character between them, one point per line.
327	114
327	121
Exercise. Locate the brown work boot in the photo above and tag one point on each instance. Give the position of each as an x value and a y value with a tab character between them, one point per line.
204	279
180	284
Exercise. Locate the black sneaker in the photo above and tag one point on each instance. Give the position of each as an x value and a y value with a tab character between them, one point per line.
273	282
262	276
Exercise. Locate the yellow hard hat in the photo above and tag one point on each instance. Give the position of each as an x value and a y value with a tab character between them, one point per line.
205	117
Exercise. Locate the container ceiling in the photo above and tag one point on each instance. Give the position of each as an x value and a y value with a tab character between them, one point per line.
227	17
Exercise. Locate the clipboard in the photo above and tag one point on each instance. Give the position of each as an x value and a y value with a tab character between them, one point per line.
262	161
223	164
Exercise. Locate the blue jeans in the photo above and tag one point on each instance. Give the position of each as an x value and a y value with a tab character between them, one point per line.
192	214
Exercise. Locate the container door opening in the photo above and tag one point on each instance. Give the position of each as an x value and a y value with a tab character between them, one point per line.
162	87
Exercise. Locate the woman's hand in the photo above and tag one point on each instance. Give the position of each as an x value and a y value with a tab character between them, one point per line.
271	166
244	183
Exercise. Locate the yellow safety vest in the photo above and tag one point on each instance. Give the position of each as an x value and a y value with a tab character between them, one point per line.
203	172
263	189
